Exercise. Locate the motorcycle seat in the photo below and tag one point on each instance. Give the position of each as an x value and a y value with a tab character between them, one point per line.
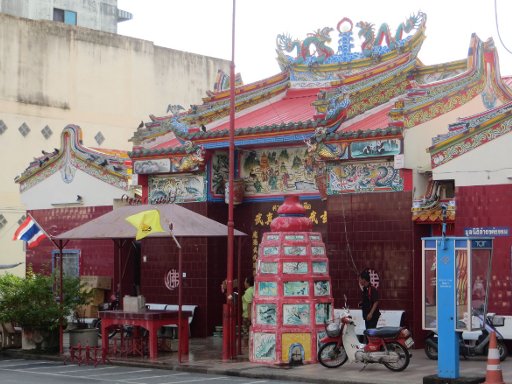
382	331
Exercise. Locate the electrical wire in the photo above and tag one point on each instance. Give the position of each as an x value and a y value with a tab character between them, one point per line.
498	28
349	250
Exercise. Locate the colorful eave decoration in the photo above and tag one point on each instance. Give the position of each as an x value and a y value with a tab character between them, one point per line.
110	166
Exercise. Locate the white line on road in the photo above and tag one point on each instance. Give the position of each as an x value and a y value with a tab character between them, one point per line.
87	368
120	373
132	381
22	362
196	380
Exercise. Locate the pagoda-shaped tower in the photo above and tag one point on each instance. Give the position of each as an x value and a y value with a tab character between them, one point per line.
292	291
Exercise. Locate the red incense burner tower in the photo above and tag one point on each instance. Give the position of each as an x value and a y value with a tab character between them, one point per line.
292	290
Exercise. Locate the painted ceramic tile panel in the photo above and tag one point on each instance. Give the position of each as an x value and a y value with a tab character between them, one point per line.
301	267
319	336
267	288
145	167
219	172
372	148
187	188
363	177
317	251
314	237
270	251
294	237
266	314
264	345
277	171
322	312
295	251
268	267
272	237
296	314
322	288
296	288
319	267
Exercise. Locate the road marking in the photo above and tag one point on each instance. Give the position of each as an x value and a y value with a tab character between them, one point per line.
132	381
22	362
87	369
196	380
120	373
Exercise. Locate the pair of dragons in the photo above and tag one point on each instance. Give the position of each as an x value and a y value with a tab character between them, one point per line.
320	38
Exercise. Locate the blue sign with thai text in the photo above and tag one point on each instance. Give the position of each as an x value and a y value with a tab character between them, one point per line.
487	231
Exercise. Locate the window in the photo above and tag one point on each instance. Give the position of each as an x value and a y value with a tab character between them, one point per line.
67	17
70	262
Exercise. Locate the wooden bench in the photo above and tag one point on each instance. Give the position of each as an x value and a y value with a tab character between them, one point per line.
388	318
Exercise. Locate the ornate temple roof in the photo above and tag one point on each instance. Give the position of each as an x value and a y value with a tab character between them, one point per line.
349	94
108	165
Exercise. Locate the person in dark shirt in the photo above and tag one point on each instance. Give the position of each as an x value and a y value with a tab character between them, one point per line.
370	301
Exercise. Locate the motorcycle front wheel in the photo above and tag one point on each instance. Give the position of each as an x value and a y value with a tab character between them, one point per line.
403	357
430	351
332	356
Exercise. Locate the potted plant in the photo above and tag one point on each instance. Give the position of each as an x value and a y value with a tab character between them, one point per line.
33	304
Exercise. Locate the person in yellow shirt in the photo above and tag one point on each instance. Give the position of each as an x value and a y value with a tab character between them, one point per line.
247	304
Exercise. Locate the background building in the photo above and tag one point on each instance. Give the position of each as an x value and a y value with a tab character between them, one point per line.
54	74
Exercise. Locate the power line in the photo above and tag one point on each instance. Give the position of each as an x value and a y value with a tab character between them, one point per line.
498	28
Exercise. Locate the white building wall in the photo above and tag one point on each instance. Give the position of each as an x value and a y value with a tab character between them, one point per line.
55	74
488	164
55	193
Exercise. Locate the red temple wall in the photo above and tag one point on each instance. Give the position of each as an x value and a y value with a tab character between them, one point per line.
95	256
490	206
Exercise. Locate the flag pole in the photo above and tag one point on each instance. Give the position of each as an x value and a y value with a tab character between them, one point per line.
50	237
227	339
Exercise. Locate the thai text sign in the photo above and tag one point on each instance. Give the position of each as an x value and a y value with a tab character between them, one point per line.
487	231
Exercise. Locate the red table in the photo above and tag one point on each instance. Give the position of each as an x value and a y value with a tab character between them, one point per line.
151	321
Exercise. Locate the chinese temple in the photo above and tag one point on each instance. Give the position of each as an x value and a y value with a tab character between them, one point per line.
381	149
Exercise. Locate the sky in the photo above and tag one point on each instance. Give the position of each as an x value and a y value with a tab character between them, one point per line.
204	26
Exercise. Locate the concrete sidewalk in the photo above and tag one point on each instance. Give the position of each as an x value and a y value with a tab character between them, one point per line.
206	357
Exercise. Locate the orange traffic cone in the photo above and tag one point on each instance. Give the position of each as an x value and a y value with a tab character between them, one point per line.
493	374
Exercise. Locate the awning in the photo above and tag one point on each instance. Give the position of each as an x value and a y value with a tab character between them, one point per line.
113	225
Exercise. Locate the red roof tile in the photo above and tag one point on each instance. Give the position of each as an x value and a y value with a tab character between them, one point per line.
294	107
375	120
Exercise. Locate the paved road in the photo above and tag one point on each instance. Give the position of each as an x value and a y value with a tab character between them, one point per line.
20	371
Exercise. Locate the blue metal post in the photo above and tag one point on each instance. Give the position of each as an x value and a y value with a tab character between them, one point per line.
448	346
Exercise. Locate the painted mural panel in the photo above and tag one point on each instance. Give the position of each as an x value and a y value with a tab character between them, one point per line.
322	288
268	267
296	288
267	288
276	171
150	166
296	314
220	172
319	267
363	177
372	148
295	267
186	187
266	314
322	313
264	346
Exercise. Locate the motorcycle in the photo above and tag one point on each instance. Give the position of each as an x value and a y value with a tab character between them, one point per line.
386	345
473	343
111	305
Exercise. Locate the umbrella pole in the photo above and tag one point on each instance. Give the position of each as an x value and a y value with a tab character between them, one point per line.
61	300
239	299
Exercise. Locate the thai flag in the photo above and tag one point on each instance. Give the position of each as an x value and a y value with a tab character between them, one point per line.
30	232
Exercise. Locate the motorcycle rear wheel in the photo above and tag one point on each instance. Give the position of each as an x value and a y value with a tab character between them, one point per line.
502	349
430	351
331	356
403	357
